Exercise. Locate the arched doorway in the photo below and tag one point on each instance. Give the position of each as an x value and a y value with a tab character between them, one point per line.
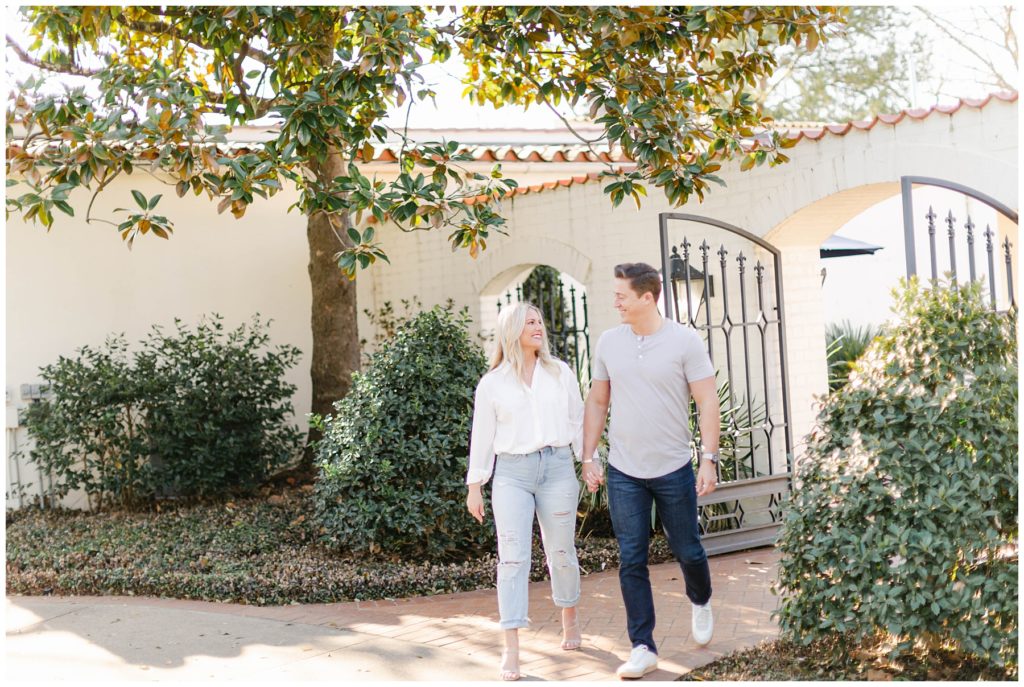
563	304
998	254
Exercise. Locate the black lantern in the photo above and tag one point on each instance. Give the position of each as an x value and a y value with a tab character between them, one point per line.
690	287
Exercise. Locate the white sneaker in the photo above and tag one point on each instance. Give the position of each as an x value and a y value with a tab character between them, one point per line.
703	623
641	661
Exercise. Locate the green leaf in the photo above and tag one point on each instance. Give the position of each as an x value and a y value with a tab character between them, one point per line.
696	23
140	200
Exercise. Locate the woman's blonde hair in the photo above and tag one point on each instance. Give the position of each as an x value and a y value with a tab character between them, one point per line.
511	322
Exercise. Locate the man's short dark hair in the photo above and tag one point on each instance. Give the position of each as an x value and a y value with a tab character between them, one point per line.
642	278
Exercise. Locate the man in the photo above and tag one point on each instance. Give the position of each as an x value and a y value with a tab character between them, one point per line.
647	369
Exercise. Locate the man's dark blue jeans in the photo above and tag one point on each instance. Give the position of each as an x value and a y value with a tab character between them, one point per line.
629	501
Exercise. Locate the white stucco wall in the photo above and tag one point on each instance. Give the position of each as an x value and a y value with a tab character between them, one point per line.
79	283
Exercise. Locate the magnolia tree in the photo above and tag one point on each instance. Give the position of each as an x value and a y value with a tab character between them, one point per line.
669	85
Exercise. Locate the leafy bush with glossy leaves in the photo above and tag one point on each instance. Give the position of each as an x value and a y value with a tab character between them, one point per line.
191	414
393	457
218	410
904	517
86	432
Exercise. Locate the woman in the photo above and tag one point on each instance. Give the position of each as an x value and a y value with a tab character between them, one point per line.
527	412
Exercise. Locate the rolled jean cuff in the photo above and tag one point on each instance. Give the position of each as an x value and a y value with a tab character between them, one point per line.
513	624
566	604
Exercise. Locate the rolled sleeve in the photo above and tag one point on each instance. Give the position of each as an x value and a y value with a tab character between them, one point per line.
481	441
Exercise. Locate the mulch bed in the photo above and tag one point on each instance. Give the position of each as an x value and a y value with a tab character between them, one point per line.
840	658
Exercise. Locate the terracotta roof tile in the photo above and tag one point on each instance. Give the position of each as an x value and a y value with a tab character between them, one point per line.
565	152
541	187
813	134
890	118
560	152
817	133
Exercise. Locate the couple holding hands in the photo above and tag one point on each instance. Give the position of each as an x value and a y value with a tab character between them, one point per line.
529	419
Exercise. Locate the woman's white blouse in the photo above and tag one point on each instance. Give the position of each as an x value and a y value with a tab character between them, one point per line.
510	417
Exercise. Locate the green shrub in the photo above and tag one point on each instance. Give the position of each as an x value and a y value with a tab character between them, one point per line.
217	407
904	516
393	457
386	321
191	414
88	430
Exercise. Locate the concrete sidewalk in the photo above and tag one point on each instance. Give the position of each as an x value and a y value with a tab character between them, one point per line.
452	637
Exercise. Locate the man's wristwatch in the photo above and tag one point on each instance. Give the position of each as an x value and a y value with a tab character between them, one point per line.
709	456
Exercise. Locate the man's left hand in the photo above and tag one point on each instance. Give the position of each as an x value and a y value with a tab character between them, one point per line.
707	478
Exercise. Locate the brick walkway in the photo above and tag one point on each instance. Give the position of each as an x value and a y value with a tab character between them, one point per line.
466	622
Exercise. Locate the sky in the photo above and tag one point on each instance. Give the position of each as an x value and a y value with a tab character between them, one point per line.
948	59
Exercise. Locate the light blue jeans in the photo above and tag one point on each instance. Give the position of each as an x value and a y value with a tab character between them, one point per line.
543	482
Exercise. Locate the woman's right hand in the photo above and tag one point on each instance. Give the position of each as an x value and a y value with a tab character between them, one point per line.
475	502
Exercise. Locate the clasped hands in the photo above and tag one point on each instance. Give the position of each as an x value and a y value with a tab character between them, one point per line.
593	475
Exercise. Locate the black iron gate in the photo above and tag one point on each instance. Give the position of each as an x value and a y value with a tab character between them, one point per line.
565	317
992	244
737	308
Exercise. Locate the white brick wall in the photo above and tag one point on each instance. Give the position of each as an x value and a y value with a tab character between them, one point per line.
78	283
796	207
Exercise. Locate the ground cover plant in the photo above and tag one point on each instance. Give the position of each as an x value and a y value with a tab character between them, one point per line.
262	550
840	657
257	550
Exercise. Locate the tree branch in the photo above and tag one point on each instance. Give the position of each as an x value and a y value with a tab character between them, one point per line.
265	104
161	28
236	70
72	69
943	26
1010	35
103	184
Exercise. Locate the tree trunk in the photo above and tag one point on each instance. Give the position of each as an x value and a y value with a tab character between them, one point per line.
334	324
